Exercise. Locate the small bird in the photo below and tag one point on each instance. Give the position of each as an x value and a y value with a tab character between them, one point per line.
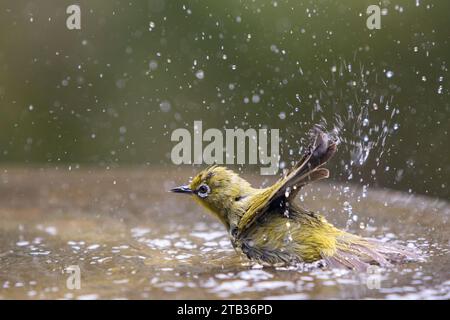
269	227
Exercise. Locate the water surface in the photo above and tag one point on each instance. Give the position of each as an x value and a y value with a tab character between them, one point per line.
132	239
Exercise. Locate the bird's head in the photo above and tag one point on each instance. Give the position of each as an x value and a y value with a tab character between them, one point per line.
221	191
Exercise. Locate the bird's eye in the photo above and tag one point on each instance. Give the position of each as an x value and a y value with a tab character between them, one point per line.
203	191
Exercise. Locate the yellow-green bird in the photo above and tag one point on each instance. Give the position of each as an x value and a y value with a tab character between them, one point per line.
270	228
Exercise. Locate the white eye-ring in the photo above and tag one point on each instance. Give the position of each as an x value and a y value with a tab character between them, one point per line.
203	191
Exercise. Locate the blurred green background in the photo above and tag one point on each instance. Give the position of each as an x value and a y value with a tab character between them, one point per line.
111	93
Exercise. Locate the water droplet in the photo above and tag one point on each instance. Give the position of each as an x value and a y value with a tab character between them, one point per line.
255	98
200	74
165	106
153	65
120	83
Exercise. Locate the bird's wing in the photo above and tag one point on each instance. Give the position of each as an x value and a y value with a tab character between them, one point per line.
308	169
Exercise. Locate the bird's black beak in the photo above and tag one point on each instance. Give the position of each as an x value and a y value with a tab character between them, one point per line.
181	189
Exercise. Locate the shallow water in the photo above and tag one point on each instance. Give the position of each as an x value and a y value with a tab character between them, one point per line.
132	239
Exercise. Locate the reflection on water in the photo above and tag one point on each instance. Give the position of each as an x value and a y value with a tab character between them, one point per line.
131	239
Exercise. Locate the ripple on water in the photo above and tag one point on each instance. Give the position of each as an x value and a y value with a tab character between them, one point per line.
51	230
22	243
185	244
254	275
158	243
227	288
92	296
208	236
139	232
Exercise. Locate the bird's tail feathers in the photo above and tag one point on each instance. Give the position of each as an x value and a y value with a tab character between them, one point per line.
358	253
